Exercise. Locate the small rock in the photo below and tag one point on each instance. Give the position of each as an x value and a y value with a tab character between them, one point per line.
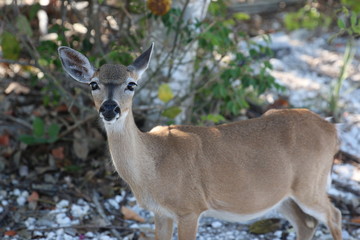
23	170
62	204
216	224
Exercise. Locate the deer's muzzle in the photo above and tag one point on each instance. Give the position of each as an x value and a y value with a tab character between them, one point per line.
109	110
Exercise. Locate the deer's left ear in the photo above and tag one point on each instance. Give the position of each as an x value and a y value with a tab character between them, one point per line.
76	64
142	62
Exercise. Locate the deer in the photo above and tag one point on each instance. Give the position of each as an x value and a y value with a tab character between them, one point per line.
237	171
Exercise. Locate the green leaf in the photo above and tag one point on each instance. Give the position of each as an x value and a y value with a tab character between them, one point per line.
31	140
171	112
241	16
43	62
53	132
23	25
27	139
215	118
165	93
341	23
38	127
33	10
10	46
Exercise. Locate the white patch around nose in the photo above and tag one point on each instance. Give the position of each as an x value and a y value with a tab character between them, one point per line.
117	124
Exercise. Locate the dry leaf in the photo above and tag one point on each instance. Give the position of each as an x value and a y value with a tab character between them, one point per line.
10	233
4	140
58	153
62	108
34	197
17	88
131	215
355	220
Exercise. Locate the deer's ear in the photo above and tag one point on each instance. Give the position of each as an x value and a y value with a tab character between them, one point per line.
142	62
76	64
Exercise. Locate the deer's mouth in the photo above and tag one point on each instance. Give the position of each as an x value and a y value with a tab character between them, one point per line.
109	111
109	119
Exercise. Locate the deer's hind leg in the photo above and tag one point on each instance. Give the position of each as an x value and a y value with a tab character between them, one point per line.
323	210
304	224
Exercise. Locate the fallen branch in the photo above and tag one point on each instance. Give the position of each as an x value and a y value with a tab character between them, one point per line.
17	120
100	210
77	124
86	226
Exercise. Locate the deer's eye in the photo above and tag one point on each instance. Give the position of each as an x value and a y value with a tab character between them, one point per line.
131	86
94	86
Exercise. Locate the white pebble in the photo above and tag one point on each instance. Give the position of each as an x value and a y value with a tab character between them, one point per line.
30	223
216	224
278	234
345	234
62	219
16	192
134	225
118	198
114	203
62	204
50	236
21	200
79	211
89	235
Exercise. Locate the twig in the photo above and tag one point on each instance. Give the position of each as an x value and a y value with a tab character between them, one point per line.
19	121
100	210
4	213
18	62
346	187
352	224
177	31
86	226
77	124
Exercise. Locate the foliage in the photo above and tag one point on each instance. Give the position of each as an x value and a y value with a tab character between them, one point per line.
351	27
307	17
347	19
41	133
230	73
223	73
10	46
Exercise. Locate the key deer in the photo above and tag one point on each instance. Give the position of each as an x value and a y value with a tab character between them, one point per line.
238	171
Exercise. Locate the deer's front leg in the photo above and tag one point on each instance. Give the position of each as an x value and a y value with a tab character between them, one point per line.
187	227
163	227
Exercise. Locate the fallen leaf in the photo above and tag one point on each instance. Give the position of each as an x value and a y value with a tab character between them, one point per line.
62	108
17	88
5	140
34	197
58	153
10	233
265	226
131	215
355	220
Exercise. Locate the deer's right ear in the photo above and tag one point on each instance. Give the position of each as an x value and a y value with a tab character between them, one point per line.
76	64
142	62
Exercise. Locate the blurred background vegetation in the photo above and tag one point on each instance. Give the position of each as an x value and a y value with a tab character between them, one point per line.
207	69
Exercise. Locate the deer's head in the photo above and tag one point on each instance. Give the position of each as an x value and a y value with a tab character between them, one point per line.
112	85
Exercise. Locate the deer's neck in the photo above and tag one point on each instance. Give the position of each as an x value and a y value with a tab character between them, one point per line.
128	150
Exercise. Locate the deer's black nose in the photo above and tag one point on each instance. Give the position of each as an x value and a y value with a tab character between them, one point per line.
109	109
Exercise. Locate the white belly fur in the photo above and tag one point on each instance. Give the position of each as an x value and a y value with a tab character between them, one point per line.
234	217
